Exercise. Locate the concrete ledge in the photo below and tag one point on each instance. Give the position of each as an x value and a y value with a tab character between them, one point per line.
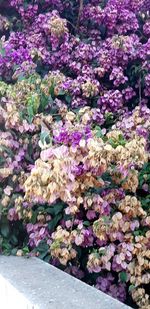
34	284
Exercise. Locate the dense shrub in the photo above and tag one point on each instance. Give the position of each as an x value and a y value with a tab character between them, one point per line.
74	139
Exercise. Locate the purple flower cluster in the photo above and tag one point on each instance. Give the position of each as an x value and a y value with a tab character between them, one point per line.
106	284
111	101
37	232
73	138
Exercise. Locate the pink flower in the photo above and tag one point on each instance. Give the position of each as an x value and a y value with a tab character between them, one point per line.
8	190
91	214
78	240
12	215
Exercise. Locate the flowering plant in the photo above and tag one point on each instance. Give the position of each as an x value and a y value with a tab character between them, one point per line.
74	139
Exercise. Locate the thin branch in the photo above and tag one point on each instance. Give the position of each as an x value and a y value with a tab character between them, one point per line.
71	24
140	90
79	14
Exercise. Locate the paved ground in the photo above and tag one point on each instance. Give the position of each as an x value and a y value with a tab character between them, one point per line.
38	285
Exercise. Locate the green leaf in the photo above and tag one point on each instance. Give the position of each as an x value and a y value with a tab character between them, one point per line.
47	258
41	209
21	77
6	247
1	209
106	219
14	251
68	98
42	255
61	92
121	140
112	142
51	210
136	233
131	287
2	161
33	218
53	223
102	252
58	208
44	101
43	247
44	137
146	202
50	99
7	150
2	51
123	276
25	250
14	239
51	90
30	113
5	229
86	223
98	132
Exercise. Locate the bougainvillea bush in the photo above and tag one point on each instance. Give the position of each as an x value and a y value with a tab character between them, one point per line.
75	139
